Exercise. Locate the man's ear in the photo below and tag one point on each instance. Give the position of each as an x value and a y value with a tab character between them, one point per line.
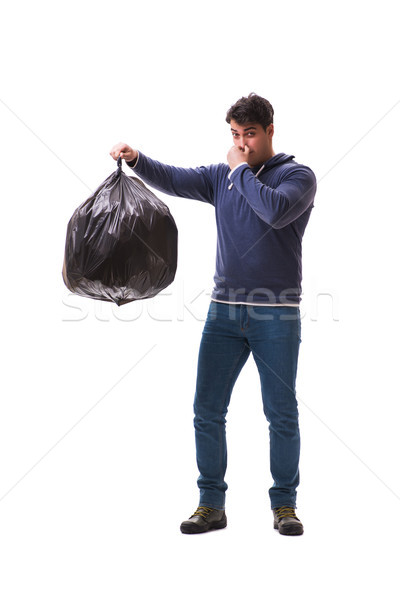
270	130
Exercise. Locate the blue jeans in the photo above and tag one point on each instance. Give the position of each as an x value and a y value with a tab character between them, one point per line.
272	335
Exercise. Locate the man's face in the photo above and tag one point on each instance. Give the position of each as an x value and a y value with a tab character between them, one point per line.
258	141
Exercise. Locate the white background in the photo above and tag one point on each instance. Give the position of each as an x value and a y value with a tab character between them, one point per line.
96	441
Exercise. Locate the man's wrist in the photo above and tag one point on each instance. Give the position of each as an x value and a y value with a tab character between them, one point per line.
236	167
132	163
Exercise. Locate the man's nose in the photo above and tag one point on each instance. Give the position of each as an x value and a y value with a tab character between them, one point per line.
240	141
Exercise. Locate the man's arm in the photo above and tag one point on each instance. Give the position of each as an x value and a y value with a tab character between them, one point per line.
280	206
186	183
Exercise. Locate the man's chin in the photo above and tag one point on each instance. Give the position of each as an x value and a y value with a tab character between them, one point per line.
250	161
253	163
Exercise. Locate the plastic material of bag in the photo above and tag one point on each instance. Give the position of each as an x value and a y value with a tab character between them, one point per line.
121	243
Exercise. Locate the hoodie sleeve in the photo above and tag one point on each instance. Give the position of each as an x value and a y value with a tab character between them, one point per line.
175	181
278	206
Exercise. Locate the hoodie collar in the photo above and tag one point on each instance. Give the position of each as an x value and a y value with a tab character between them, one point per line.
274	161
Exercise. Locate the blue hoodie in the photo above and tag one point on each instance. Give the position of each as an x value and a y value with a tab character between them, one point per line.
261	216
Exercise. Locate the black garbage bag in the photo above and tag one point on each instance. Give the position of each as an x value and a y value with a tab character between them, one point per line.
121	243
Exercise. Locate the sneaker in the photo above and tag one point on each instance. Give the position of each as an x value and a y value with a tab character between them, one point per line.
204	519
286	522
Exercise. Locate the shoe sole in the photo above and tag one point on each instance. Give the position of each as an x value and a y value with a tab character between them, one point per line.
192	528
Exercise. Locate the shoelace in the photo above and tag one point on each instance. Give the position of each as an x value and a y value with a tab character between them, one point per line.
202	511
285	511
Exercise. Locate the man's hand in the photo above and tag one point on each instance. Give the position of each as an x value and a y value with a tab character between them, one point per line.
124	151
237	155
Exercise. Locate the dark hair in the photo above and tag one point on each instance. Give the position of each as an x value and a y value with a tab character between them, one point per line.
251	109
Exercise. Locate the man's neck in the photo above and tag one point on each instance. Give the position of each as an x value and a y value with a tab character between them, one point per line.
266	159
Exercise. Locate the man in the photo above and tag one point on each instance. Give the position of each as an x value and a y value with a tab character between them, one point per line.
262	202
